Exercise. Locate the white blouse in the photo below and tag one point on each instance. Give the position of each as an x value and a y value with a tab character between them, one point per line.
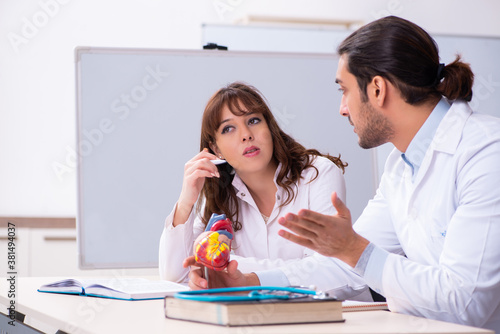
257	246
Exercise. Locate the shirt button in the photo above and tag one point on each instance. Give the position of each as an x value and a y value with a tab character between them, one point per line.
243	194
278	197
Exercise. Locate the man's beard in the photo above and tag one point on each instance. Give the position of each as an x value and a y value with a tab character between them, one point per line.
377	130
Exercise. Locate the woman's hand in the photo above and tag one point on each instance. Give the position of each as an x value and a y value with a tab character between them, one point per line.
229	277
195	172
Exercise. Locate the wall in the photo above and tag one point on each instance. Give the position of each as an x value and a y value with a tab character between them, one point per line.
37	80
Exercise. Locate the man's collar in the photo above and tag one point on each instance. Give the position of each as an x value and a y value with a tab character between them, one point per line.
420	143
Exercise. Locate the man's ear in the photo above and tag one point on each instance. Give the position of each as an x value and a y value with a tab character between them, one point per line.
377	90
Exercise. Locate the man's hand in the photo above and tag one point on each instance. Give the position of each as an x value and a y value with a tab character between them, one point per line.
328	235
229	277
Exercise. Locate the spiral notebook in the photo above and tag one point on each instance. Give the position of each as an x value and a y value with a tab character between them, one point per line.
353	305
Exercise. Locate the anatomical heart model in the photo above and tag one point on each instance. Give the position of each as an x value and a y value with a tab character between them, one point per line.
213	246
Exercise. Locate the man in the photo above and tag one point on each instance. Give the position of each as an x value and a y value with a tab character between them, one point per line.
428	239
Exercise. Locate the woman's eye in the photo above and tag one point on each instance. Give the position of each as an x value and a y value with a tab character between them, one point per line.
254	120
226	129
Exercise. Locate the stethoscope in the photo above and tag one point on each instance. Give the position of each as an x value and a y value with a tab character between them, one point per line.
256	293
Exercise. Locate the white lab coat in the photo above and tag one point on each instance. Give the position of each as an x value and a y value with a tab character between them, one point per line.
257	245
446	224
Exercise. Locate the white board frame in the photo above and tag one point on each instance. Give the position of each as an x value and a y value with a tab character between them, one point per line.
135	131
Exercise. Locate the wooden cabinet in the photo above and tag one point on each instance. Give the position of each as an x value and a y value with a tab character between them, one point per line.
18	253
53	252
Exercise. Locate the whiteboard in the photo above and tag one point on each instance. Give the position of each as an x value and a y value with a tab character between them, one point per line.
138	122
481	52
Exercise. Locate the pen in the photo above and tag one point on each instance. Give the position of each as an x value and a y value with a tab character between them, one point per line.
218	161
206	277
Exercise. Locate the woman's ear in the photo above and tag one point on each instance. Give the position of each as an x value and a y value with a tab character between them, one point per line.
377	90
215	149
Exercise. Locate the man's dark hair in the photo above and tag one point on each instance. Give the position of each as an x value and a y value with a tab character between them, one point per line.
408	57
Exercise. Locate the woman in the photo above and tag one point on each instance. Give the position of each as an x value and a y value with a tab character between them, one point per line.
267	174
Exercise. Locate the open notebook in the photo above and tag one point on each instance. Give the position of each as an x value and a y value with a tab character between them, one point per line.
116	288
